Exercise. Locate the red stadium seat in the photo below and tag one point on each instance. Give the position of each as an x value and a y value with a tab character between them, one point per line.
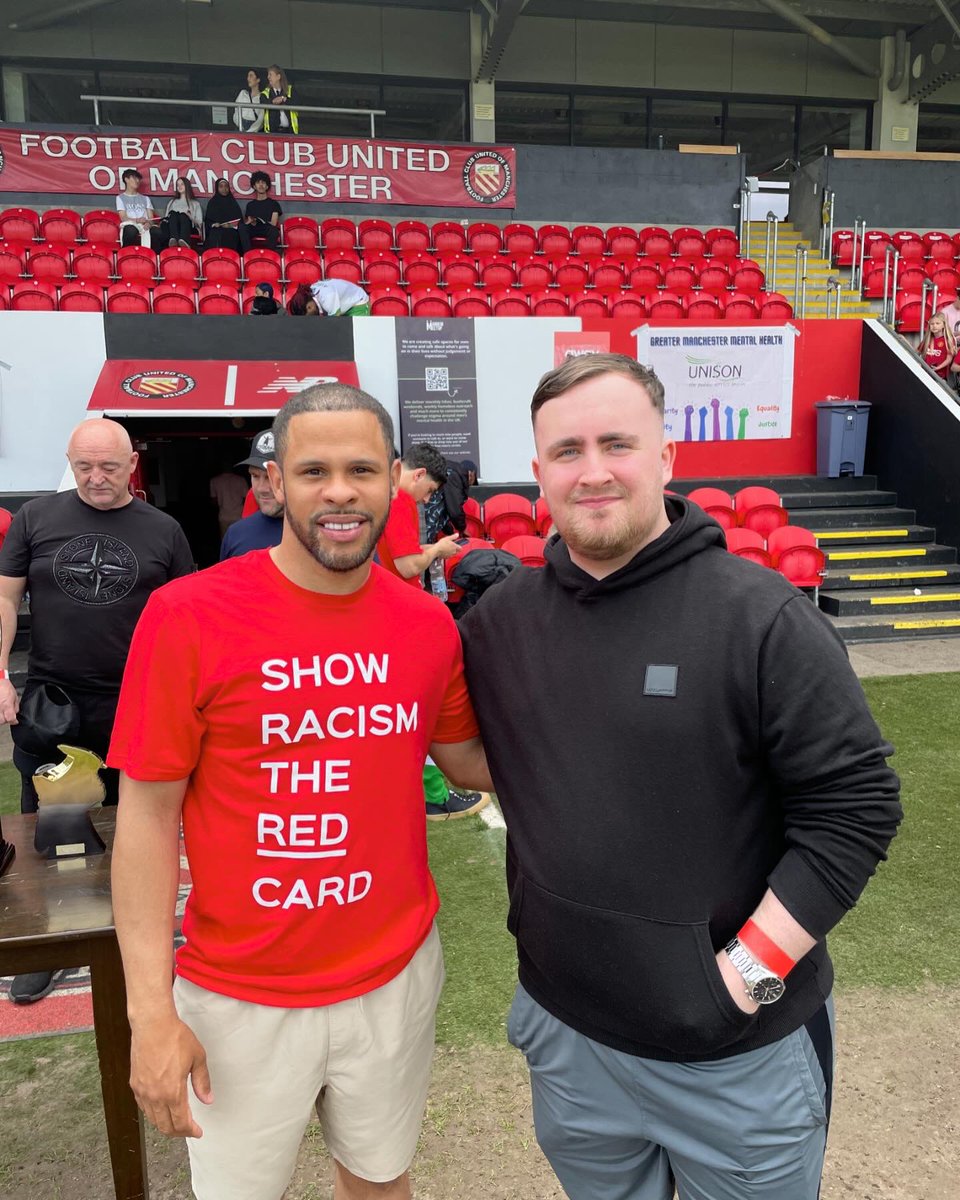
623	243
180	265
341	264
459	272
691	243
795	554
911	250
946	279
430	302
645	277
510	303
875	237
715	503
748	279
679	279
381	269
128	296
607	275
725	247
175	297
650	231
94	263
471	303
137	264
774	307
528	548
588	304
873	280
549	304
554	241
102	227
449	237
301	233
81	295
474	518
337	233
665	306
658	245
715	278
19	225
534	274
759	509
222	266
909	310
589	241
420	270
33	295
302	265
218	299
717	234
49	262
497	273
912	278
13	261
941	251
747	543
508	515
571	274
375	234
739	306
264	266
412	236
6	520
542	516
4	296
472	542
483	237
702	306
60	226
390	302
520	239
627	304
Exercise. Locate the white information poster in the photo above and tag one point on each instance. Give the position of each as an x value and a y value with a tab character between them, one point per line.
722	384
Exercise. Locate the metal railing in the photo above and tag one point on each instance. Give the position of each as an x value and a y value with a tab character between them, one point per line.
928	287
861	258
859	234
890	283
372	113
770	264
800	283
836	285
743	232
826	224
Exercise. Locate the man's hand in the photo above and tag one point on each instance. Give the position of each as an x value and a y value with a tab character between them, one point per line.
163	1053
735	985
9	703
446	547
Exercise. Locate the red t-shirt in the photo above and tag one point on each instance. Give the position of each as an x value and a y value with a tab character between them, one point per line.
303	721
401	535
937	355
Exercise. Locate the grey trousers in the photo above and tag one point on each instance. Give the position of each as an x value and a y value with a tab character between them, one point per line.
617	1127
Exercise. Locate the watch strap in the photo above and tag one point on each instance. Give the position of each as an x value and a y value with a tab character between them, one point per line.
765	949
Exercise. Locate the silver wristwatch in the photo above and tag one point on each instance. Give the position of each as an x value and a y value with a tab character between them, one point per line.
762	986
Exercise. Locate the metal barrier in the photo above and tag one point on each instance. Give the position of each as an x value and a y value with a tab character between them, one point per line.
862	256
826	224
800	283
859	232
372	113
770	272
744	230
928	287
890	283
834	284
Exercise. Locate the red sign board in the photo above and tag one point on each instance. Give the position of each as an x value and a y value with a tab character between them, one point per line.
130	386
324	170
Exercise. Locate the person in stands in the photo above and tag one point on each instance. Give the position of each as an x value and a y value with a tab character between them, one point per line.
280	117
264	528
137	217
184	216
223	218
228	490
261	219
247	119
90	557
938	348
329	298
264	305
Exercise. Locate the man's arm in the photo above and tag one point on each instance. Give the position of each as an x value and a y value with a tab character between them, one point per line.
464	764
409	565
11	596
145	874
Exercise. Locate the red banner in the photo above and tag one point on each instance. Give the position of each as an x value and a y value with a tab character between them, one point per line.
136	387
324	170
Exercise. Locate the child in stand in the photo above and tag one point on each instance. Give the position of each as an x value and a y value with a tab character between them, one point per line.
938	348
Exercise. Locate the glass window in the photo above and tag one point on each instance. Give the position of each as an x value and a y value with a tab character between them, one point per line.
938	132
834	127
421	114
166	85
53	97
678	120
610	121
765	133
327	94
538	117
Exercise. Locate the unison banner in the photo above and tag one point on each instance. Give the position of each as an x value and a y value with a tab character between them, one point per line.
437	385
734	385
318	169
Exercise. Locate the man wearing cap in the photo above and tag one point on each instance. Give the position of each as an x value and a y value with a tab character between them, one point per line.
264	528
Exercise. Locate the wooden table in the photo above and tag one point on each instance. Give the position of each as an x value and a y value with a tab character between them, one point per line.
58	914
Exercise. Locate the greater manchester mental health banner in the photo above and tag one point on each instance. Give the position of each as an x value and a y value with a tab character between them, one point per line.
326	170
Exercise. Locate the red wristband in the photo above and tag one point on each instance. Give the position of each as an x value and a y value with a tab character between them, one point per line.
765	950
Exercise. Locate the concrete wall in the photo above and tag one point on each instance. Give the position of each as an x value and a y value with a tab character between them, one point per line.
893	194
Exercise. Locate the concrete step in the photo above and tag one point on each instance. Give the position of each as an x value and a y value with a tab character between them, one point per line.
849	602
862	520
887	556
846	499
861	535
782	484
879	578
898	626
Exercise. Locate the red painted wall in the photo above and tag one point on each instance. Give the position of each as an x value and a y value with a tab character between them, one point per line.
826	363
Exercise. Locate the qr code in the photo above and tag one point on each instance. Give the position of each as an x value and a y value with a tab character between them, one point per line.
437	379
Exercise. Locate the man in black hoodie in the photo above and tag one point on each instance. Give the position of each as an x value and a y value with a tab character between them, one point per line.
695	793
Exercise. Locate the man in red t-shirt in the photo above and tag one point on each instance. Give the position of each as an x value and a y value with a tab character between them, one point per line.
283	703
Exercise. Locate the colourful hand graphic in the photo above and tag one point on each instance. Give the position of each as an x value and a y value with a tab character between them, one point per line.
728	424
688	423
703	424
715	405
742	428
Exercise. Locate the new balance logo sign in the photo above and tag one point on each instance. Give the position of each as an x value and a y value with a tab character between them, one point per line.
291	385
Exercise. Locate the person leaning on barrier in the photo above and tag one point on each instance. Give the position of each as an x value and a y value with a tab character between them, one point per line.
279	118
247	119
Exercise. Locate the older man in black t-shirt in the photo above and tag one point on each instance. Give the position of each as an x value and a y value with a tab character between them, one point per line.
90	559
261	217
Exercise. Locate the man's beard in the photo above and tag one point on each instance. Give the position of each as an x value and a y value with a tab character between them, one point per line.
603	541
350	557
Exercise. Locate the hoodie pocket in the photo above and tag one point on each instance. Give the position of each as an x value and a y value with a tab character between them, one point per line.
655	985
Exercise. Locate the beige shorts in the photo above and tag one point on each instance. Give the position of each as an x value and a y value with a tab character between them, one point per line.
363	1064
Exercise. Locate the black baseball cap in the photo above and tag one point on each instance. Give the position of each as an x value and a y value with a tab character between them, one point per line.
261	451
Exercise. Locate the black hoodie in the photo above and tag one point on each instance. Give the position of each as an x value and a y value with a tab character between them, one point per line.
666	743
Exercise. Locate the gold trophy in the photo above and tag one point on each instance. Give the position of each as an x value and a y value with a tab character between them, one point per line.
67	791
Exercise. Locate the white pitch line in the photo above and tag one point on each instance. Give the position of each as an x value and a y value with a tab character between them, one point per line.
491	816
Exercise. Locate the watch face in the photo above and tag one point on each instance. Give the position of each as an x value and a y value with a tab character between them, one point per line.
768	989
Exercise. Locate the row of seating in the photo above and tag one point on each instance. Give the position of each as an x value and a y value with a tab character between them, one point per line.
67	226
912	247
789	549
755	508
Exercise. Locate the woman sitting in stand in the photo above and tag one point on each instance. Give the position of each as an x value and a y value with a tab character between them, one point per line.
183	217
222	219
